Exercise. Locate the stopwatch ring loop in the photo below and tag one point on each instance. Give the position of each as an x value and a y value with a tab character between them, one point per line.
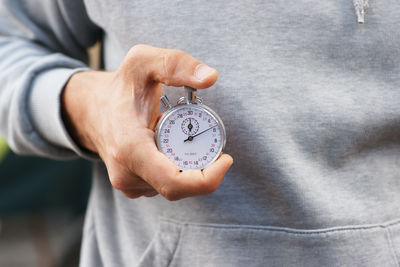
181	100
184	100
199	99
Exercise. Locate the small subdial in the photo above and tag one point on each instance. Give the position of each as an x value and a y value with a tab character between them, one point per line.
190	126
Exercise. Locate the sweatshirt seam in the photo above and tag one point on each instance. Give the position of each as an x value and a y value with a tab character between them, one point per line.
344	229
390	241
178	243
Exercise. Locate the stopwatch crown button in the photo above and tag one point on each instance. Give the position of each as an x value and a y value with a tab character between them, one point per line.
190	94
165	102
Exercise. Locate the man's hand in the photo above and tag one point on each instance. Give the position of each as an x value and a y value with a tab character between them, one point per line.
114	114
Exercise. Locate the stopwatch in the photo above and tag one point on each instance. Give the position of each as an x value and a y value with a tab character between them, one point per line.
190	133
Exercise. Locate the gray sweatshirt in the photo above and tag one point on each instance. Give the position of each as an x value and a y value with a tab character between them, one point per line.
311	103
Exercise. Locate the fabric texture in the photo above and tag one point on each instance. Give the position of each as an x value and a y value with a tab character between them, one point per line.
311	103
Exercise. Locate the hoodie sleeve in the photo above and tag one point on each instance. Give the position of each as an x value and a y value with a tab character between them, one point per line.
42	43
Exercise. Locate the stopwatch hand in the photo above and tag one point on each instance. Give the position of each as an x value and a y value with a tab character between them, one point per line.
190	126
190	138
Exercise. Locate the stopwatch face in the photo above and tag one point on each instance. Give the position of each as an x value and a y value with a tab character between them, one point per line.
192	136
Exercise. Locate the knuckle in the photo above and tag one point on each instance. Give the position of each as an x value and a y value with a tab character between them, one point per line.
169	69
126	182
130	194
118	156
123	181
171	60
151	194
166	81
178	53
114	153
169	193
137	50
118	182
207	186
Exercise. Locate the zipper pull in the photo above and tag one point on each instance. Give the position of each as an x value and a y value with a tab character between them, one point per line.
361	7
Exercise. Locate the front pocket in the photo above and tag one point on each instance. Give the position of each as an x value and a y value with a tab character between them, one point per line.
162	247
191	244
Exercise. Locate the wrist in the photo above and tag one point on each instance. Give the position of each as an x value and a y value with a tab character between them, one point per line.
78	106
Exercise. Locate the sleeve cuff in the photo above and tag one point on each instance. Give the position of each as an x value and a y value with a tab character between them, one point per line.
45	109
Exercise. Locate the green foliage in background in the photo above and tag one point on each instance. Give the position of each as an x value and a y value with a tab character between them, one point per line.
3	149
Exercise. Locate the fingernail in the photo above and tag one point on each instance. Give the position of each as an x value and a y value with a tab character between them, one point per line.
203	71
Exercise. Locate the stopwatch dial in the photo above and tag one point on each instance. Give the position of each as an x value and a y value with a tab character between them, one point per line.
195	148
190	126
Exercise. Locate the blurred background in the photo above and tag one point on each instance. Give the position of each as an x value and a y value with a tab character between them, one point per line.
42	206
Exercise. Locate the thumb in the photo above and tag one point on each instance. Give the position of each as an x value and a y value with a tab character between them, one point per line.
168	66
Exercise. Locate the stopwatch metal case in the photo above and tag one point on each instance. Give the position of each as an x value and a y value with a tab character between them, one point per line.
197	103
